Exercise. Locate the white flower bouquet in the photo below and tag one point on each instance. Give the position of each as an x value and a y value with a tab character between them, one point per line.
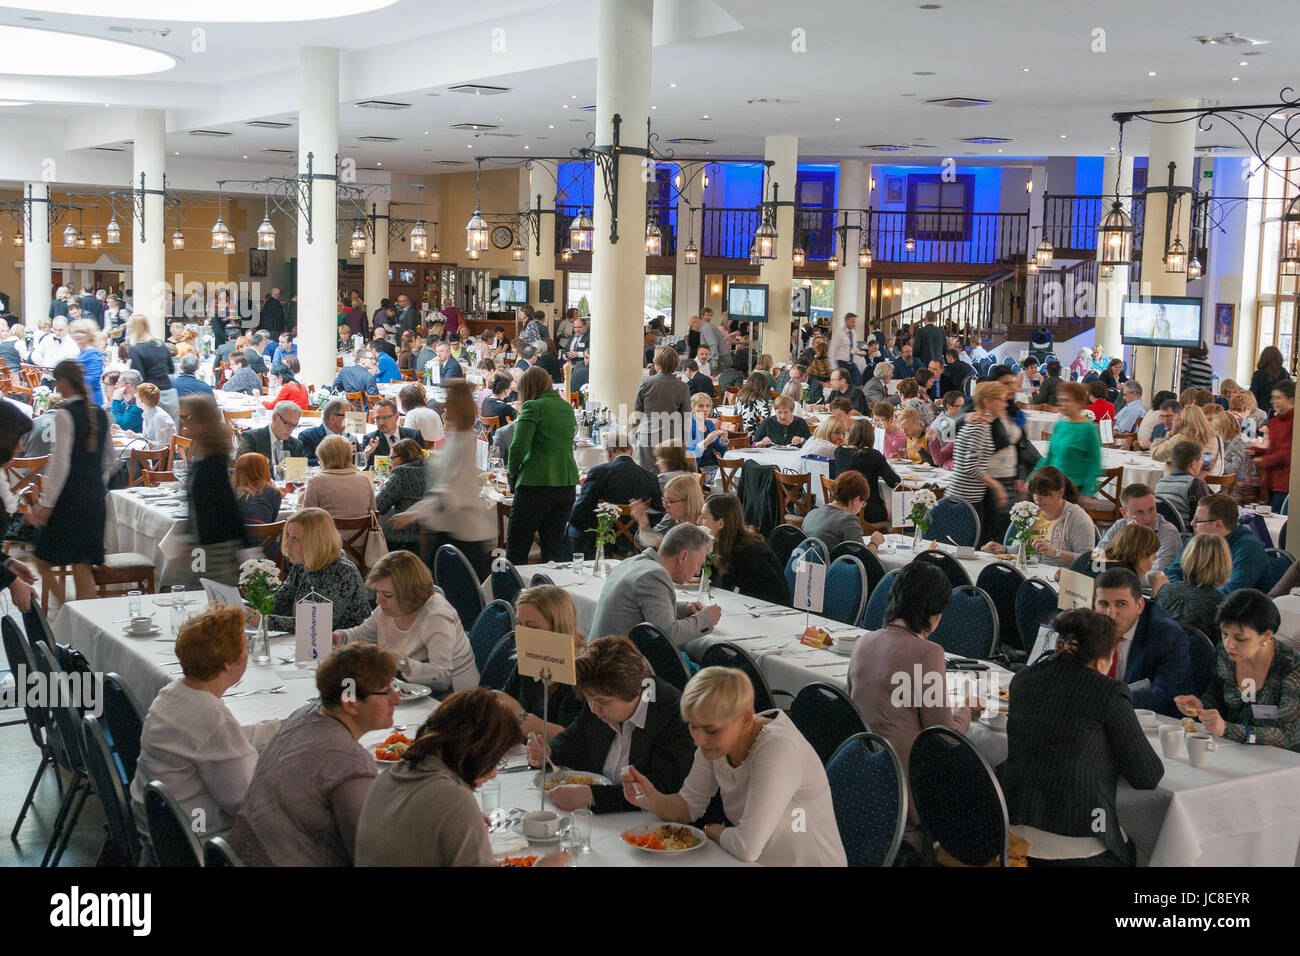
258	581
1024	515
606	514
922	503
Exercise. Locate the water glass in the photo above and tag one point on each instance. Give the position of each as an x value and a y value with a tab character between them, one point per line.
133	603
577	563
489	795
579	839
179	617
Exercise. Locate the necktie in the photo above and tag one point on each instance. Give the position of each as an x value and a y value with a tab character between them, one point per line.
1114	661
850	343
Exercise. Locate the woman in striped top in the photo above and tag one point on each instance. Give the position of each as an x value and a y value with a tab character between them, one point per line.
1197	371
972	450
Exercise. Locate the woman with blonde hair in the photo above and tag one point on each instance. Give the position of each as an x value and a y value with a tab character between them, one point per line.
546	608
828	436
766	773
1194	601
683	500
704	438
156	426
339	489
416	624
259	499
1196	428
91	342
154	362
1234	443
1134	547
314	552
764	367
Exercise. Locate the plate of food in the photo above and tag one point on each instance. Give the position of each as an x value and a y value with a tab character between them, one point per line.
563	777
665	838
410	691
518	860
390	751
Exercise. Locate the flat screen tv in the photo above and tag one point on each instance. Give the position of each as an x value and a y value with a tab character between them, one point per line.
747	301
1168	321
512	290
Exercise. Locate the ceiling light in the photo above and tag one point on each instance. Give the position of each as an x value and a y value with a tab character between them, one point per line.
654	239
833	262
1244	63
798	257
692	255
1176	257
1044	254
837	119
358	244
178	239
1236	79
864	257
203	11
113	232
1151	73
909	245
266	233
518	252
70	236
96	240
382	105
1025	70
1115	237
419	237
581	231
34	52
1194	269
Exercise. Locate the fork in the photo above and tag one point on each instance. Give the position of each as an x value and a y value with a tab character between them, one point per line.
260	690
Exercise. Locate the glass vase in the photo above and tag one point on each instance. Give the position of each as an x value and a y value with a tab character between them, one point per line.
705	586
601	568
261	651
918	538
1022	555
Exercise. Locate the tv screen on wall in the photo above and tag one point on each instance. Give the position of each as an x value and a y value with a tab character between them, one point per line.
1163	320
747	301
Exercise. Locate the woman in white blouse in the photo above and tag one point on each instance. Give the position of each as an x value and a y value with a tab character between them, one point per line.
190	741
417	624
418	414
156	426
770	778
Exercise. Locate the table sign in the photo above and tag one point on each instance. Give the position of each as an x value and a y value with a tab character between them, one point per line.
546	656
295	469
356	421
809	583
1107	427
313	627
902	505
1076	590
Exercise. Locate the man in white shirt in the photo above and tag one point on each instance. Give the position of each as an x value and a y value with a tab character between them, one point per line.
844	347
1138	505
56	346
1129	417
716	340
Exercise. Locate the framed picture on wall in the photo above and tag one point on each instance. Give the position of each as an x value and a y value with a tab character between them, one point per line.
1224	314
894	189
257	262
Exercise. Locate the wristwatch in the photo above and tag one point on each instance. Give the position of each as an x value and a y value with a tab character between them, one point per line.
523	716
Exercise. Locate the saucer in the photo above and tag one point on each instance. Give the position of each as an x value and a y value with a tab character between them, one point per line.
149	632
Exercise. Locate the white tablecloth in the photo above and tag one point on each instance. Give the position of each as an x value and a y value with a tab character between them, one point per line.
791	461
1138	468
1039	425
146	666
150	526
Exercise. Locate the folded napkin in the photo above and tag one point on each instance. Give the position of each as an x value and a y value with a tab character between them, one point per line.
507	842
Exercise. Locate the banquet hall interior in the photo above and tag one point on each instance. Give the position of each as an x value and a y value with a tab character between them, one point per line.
713	339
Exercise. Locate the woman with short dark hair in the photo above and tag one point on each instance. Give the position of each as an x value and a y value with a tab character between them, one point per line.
837	520
858	453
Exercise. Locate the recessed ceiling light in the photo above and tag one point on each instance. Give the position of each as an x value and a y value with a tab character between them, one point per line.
1062	136
204	11
672	86
426	132
1151	73
1244	63
564	106
32	51
1025	70
382	105
245	157
705	116
574	96
526	146
837	119
175	154
550	126
654	107
379	164
1236	79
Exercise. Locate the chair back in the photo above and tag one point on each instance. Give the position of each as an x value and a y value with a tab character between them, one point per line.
144	460
869	795
873	615
727	470
65	715
1278	563
357	400
875	570
493	623
218	853
945	562
267	535
539	579
725	654
794	496
499	668
180	449
506	582
352	532
1001	581
1106	511
783	539
123	718
803	548
19	653
455	575
826	716
954	519
110	781
173	842
1036	605
958	798
1201	650
845	594
659	652
969	626
1170	514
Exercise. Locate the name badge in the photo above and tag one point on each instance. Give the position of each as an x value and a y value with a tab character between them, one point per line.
1138	685
1264	711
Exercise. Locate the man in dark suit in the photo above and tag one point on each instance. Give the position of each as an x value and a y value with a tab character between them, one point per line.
254	352
448	367
187	383
356	377
580	340
547	360
380	343
1151	654
92	308
334	421
527	356
698	382
955	373
842	387
621	481
273	314
581	373
799	375
408	316
906	364
275	442
387	433
930	342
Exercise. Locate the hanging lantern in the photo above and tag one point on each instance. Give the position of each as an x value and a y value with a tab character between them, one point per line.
798	257
1290	259
70	237
566	255
1032	267
1194	269
1044	254
476	233
1115	237
178	239
654	239
473	254
833	263
219	234
81	241
864	257
266	235
434	253
359	242
18	239
518	252
581	231
1176	257
765	241
909	244
419	238
692	255
96	240
112	232
230	243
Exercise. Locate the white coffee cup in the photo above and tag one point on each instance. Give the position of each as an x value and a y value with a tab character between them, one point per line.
965	552
541	824
141	625
1147	718
1198	749
1264	509
1171	740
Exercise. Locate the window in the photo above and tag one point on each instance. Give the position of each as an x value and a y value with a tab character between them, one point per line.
1276	294
937	210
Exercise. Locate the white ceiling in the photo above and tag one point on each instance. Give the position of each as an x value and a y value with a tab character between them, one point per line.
860	63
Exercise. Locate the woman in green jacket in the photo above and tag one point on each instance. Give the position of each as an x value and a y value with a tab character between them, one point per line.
542	470
1075	447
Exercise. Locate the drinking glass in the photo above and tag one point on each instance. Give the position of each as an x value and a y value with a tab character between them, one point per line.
178	595
489	794
133	603
577	563
279	473
178	619
579	839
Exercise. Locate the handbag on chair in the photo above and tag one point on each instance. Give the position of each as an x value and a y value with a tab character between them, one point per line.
376	544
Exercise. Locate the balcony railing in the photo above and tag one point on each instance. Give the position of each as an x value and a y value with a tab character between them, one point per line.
663	214
951	238
1070	222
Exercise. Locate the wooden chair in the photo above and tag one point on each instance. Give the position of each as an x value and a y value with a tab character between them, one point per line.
717	393
794	496
353	532
31	375
20	393
828	486
233	416
738	441
1132	438
729	395
265	535
180	449
145	460
729	471
731	423
1108	488
1120	444
625	526
340	361
491	423
1221	483
125	570
408	375
152	479
704	481
575	399
773	394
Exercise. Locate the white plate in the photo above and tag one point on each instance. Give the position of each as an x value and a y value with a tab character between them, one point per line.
383	763
842	647
519	829
155	629
596	779
412	692
646	828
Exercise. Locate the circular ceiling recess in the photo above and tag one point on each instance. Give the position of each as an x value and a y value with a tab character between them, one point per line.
205	11
33	52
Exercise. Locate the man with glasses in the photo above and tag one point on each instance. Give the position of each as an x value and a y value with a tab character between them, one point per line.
334	421
387	433
1137	502
275	442
1151	654
1217	514
1170	418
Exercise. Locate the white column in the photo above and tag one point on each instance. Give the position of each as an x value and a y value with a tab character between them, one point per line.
618	268
149	251
1242	355
1111	289
318	135
850	279
376	260
541	254
686	283
1170	142
778	273
36	254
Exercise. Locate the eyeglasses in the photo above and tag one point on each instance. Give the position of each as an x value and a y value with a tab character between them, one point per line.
673	501
1204	520
390	689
